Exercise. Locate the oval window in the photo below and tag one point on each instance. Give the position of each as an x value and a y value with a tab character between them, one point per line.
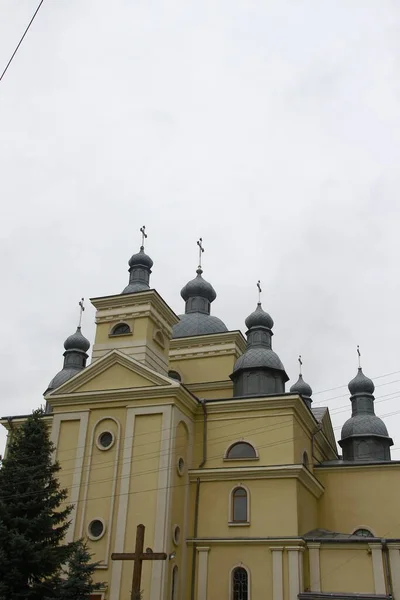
96	529
105	440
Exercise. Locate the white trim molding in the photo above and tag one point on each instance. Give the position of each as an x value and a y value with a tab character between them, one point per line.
394	558
239	566
295	571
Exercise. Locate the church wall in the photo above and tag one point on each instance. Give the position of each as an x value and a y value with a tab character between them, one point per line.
179	505
66	450
204	369
222	559
345	569
270	433
307	510
302	443
142	495
272	508
138	328
353	498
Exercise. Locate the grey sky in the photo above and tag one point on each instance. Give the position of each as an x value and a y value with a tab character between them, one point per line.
269	128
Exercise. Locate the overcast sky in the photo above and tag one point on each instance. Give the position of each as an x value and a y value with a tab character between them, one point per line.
269	128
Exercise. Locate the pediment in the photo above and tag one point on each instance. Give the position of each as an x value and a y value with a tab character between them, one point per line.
114	371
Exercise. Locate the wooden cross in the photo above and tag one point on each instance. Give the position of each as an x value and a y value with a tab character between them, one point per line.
138	557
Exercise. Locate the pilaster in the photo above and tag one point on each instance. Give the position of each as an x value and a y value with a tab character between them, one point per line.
295	577
377	566
394	559
315	571
277	573
202	576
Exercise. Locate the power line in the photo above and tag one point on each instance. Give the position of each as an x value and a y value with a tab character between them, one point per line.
21	40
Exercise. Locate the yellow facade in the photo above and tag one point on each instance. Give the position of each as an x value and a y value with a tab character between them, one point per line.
138	446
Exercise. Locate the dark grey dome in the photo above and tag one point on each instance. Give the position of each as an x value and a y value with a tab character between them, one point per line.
197	323
259	318
198	287
301	387
259	357
364	424
361	384
61	377
141	259
77	341
131	288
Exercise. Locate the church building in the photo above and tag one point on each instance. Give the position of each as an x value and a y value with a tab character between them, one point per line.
189	429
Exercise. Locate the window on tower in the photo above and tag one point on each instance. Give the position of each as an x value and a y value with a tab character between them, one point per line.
239	509
241	450
121	329
240	584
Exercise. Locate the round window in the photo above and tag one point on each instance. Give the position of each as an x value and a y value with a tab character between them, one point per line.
96	529
180	466
105	440
176	535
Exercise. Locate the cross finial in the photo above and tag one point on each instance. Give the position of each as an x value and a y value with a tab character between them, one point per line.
81	309
144	234
300	363
259	291
201	249
359	357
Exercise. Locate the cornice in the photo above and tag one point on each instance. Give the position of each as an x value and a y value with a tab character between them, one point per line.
280	542
358	466
10	422
146	396
298	472
195	344
137	299
209	386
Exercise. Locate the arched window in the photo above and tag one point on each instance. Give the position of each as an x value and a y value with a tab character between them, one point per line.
363	532
242	450
305	459
121	329
240	584
174	588
240	512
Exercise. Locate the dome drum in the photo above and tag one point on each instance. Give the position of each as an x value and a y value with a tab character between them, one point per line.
366	448
258	382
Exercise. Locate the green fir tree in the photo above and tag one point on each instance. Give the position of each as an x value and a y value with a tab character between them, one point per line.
77	583
33	515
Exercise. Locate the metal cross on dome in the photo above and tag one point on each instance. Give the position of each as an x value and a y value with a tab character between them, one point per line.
81	309
201	249
144	234
259	291
300	363
359	357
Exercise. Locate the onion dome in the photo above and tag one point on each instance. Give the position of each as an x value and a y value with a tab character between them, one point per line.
361	384
198	287
364	436
139	272
259	371
75	357
77	341
140	259
259	318
197	320
303	389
